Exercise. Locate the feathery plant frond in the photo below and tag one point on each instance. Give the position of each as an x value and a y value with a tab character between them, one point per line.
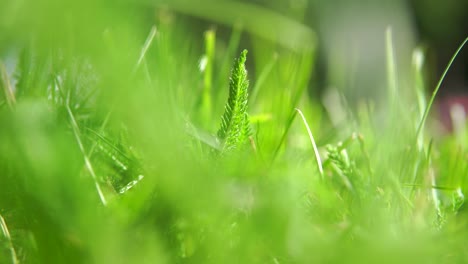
114	160
235	127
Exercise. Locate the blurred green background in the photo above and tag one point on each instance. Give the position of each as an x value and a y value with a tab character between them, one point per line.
109	110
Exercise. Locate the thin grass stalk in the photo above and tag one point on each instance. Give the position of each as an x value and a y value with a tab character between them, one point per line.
434	93
392	80
145	48
312	141
6	85
285	134
77	134
207	101
263	77
6	234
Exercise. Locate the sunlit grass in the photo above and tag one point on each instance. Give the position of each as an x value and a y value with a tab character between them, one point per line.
109	152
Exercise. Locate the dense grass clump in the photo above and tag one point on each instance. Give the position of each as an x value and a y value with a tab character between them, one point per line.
113	152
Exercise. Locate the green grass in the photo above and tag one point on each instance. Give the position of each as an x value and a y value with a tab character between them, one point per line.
119	152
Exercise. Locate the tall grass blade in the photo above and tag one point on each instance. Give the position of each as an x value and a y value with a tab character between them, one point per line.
434	93
417	63
231	50
392	81
312	141
6	234
77	134
5	85
262	77
208	61
283	137
89	167
145	47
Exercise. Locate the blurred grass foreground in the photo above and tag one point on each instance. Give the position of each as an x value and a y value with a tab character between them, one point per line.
141	132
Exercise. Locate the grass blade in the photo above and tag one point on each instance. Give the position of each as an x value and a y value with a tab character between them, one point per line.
391	67
5	85
207	69
6	234
312	141
264	74
77	134
393	100
145	48
283	138
434	93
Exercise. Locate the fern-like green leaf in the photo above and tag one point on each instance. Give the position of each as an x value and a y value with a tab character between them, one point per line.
235	127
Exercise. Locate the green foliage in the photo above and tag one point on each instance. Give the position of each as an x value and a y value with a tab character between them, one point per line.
102	109
342	166
235	126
